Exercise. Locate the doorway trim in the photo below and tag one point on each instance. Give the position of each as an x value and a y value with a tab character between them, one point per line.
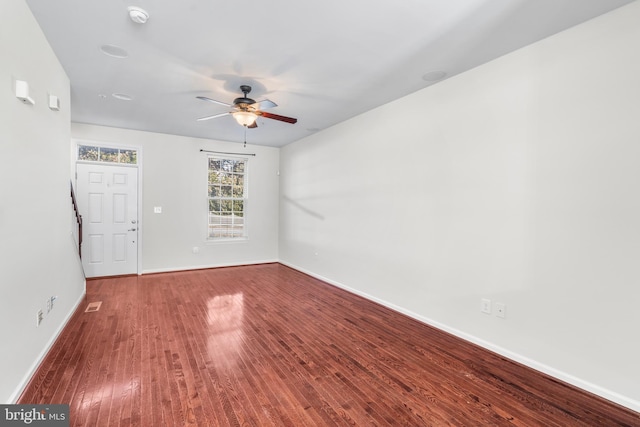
107	144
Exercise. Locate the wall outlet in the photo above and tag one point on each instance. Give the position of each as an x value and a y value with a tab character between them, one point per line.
485	306
39	317
501	310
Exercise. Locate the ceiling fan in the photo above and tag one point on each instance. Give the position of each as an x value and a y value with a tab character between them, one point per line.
246	110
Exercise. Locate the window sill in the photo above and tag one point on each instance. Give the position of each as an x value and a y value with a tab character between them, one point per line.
226	240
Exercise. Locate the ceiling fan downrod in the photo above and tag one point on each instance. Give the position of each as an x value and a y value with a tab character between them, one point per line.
245	99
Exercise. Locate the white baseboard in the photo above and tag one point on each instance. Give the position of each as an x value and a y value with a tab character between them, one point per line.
563	376
204	267
34	366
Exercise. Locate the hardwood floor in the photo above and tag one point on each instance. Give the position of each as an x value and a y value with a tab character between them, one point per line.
266	345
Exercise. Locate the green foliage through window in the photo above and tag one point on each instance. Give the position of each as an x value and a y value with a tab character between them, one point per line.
227	197
109	155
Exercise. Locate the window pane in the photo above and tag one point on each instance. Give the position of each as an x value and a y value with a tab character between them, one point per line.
239	167
226	206
128	156
214	164
238	206
214	205
87	153
108	154
227	178
227	165
226	191
214	191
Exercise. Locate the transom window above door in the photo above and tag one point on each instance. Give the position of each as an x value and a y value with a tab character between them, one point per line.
93	153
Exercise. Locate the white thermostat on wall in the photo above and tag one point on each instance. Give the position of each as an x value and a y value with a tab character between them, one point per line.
157	209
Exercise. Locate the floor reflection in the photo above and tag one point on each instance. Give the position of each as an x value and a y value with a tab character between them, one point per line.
225	318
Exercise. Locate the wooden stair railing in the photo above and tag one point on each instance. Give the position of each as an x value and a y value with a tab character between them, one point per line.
78	219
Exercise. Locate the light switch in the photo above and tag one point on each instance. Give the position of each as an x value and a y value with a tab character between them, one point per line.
157	209
54	103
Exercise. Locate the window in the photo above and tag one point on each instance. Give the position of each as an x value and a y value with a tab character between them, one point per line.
227	198
109	155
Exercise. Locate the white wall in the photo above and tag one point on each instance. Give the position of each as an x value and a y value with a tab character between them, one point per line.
174	177
518	181
37	254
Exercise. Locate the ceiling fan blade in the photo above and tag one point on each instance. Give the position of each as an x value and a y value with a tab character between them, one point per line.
204	98
212	117
265	103
277	117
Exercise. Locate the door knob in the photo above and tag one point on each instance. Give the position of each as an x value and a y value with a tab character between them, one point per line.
132	229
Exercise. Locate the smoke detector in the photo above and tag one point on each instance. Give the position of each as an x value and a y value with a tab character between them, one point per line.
138	15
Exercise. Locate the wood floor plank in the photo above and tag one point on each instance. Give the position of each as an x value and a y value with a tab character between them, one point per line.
266	345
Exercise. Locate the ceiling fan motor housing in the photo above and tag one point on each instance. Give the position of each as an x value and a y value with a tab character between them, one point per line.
244	99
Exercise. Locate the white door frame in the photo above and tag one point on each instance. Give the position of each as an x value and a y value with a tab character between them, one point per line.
79	141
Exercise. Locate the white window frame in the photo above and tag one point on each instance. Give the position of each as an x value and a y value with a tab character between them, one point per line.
244	199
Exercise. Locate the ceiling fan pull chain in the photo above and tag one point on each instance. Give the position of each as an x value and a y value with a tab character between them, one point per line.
245	137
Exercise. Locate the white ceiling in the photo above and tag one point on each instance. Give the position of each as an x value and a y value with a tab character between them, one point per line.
321	62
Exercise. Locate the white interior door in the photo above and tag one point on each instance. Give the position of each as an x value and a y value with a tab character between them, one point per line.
108	202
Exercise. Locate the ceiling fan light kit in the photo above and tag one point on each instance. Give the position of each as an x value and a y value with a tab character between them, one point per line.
245	118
